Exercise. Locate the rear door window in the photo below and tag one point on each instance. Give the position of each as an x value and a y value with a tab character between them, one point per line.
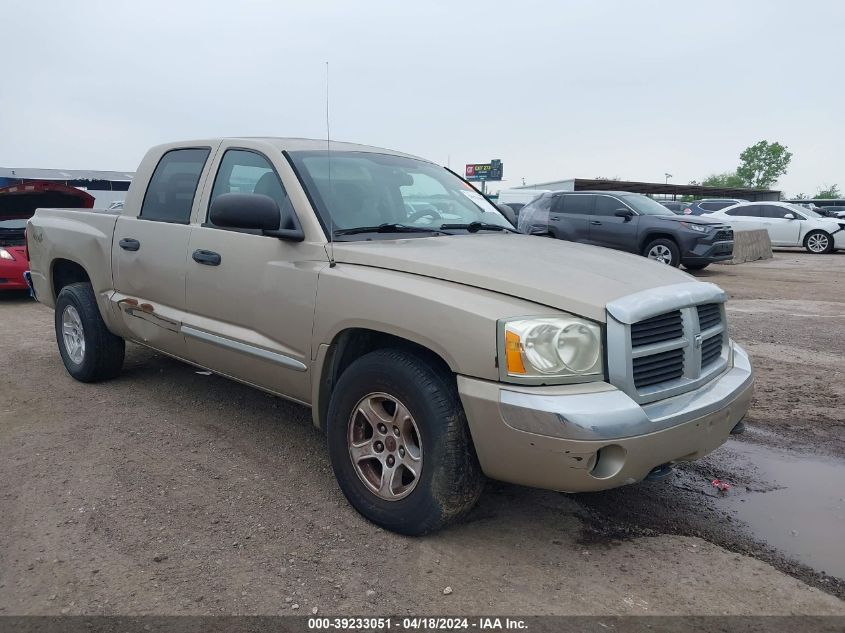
577	204
750	211
170	194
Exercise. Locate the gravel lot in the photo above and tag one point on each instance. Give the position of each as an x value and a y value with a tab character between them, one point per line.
170	492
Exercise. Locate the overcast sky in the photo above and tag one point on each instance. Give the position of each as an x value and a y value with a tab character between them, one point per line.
555	89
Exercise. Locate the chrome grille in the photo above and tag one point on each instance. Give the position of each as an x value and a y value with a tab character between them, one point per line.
658	368
709	315
656	353
663	327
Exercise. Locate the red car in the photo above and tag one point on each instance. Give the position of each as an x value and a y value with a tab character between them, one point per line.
17	204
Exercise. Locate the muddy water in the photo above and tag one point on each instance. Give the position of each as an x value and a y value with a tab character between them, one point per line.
803	515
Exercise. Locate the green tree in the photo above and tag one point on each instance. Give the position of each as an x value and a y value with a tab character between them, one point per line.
762	164
828	192
727	179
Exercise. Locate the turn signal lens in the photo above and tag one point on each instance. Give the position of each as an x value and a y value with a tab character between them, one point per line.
513	354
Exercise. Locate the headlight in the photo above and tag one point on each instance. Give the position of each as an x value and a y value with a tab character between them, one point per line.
560	349
700	228
4	254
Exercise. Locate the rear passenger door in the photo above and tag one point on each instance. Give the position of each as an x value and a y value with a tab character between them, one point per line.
149	250
570	216
250	305
606	229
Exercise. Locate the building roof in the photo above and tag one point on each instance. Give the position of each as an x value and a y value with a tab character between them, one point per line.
31	173
651	188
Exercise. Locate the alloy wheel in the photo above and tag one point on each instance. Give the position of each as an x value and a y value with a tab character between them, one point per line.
818	243
385	446
73	334
660	253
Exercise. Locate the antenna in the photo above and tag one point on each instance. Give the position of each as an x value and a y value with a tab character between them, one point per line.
332	262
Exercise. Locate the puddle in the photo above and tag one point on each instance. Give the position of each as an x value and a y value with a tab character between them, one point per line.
804	516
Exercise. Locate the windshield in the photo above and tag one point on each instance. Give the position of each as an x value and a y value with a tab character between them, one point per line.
645	205
805	211
366	189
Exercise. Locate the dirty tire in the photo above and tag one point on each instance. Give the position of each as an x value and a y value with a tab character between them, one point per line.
450	479
102	358
665	248
696	266
818	242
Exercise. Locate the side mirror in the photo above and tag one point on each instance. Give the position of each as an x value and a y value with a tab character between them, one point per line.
788	216
507	212
252	211
624	213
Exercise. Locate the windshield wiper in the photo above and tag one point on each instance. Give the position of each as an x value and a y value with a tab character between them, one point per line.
389	228
475	227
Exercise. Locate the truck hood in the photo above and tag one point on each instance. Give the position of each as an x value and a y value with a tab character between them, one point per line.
572	277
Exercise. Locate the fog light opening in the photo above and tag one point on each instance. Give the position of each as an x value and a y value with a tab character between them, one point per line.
609	460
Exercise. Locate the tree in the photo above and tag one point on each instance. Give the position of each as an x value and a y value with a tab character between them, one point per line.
828	192
762	164
800	196
727	179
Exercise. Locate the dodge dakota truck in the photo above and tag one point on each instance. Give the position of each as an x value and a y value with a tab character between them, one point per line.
434	344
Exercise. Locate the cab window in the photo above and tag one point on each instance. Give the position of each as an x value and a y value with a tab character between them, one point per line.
245	171
170	194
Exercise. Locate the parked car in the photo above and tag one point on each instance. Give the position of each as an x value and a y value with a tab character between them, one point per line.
629	222
433	346
13	261
837	211
675	206
709	205
788	225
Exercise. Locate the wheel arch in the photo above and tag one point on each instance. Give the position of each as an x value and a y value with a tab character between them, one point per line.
347	346
656	235
64	272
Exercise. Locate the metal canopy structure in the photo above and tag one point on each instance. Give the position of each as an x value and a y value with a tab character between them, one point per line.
657	188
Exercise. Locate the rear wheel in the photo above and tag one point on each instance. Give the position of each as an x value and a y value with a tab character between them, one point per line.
399	443
89	351
664	251
818	242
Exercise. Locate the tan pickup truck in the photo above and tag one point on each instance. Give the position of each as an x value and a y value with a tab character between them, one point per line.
433	343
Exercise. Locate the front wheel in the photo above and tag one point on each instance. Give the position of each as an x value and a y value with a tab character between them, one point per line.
89	351
818	242
664	251
399	443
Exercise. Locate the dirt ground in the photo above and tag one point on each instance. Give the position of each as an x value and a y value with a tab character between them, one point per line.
170	492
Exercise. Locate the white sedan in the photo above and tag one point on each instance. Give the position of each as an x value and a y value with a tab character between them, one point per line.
788	224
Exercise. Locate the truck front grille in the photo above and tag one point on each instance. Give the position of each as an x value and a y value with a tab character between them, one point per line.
668	353
658	368
663	327
709	314
711	350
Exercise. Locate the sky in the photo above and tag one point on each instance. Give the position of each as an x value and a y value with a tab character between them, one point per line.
556	89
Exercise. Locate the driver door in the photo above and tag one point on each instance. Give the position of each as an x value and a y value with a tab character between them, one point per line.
250	298
782	231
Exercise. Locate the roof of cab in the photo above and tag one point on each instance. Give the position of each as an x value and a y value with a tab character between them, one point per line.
299	144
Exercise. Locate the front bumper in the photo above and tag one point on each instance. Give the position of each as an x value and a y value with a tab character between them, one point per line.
577	438
703	252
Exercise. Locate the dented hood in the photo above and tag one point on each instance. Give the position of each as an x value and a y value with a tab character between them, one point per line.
572	277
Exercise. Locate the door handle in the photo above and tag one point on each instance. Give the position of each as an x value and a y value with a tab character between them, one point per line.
129	244
554	218
208	258
595	223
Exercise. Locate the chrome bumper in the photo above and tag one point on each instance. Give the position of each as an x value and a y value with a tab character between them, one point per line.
557	437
